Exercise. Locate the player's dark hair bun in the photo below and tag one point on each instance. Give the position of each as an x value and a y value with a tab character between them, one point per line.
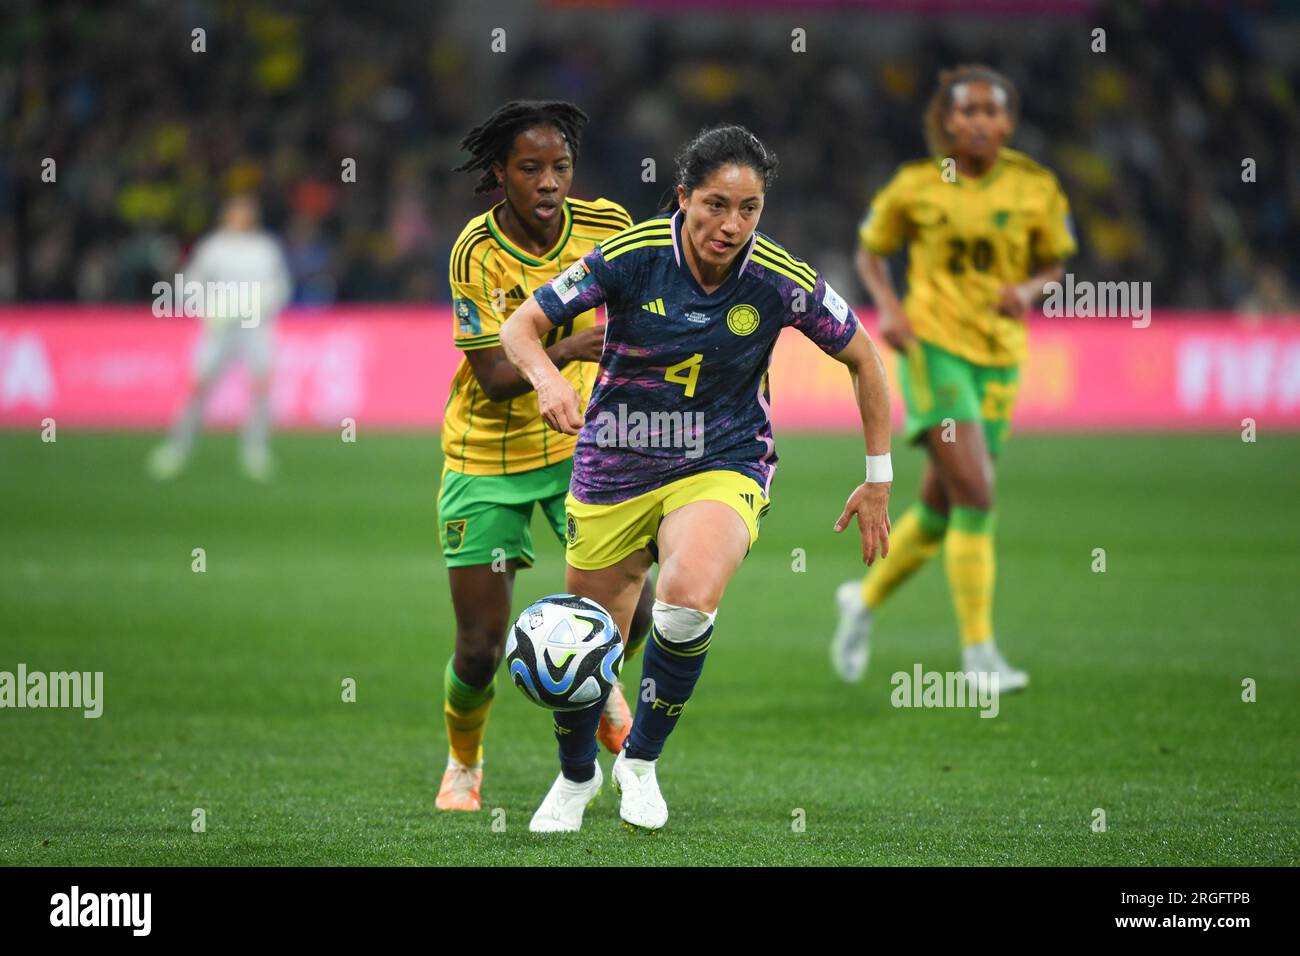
720	146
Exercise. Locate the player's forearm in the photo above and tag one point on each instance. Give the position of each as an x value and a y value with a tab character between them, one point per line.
521	339
874	272
500	379
871	391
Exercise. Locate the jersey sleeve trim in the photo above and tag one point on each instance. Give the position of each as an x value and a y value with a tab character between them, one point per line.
629	247
608	216
652	229
778	254
462	253
575	290
471	342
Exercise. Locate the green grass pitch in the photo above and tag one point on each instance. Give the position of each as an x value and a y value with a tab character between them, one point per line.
223	689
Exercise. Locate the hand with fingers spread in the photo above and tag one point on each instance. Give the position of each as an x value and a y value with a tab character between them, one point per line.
559	404
870	503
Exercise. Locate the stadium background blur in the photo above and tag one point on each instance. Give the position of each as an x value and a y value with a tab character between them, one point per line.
1148	138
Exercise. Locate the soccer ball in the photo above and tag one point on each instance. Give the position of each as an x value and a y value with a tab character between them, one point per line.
564	652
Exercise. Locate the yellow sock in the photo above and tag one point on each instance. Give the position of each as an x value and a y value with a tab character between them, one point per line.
465	709
913	541
968	559
465	731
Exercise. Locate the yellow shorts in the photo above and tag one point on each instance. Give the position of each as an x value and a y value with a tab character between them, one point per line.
598	536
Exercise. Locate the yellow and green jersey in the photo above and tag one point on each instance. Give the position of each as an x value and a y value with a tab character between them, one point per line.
965	241
490	278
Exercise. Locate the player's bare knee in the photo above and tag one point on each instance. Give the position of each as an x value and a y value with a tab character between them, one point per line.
475	663
481	638
682	591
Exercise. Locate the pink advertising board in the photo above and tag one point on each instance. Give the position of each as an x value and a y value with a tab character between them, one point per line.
389	367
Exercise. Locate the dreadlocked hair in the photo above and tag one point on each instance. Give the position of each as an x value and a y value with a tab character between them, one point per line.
490	141
941	102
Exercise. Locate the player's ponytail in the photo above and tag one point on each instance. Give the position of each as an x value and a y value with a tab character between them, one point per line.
941	102
721	146
490	141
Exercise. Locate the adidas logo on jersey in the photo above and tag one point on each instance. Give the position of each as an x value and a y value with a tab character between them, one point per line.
657	307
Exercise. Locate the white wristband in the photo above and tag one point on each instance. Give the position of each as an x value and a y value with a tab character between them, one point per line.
879	469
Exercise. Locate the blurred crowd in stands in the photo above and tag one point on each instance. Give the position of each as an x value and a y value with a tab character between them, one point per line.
147	135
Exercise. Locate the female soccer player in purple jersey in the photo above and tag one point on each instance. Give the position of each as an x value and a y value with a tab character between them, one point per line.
675	459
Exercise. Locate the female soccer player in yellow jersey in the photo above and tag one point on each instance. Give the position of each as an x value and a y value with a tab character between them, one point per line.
986	228
696	300
500	459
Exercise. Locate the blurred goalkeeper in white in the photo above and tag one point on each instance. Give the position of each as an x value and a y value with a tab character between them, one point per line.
246	282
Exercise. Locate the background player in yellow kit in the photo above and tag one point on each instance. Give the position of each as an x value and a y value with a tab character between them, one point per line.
985	228
500	459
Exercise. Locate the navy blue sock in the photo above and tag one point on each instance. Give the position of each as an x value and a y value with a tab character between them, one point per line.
674	668
576	732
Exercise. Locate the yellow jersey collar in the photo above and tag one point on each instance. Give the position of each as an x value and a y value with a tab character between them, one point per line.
994	171
518	253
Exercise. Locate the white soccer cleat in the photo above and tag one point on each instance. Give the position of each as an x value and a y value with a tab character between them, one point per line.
851	646
986	659
561	811
165	462
642	805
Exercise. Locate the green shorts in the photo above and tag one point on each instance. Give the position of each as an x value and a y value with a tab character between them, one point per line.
483	518
938	385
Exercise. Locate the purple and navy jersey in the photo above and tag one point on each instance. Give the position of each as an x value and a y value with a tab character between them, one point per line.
683	379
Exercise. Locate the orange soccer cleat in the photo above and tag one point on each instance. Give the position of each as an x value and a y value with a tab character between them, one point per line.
615	722
460	786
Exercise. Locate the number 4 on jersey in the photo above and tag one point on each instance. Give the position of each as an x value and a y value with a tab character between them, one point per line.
686	373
